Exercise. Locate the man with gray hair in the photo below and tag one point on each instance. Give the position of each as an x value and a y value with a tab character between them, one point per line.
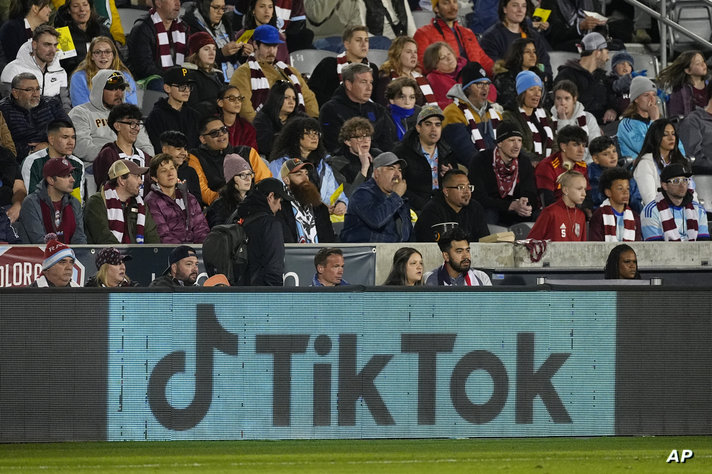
353	99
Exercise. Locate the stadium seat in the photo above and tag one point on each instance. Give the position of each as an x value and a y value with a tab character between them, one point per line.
703	186
558	58
305	60
696	16
129	16
377	56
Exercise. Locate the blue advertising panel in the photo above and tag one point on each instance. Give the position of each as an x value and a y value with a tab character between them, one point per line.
361	365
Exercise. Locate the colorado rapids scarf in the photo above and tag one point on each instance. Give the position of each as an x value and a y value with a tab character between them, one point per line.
538	124
177	33
475	134
580	121
283	12
260	84
423	85
115	214
507	176
610	225
342	62
670	232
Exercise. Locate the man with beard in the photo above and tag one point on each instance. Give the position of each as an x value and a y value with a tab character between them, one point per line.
307	220
182	268
456	271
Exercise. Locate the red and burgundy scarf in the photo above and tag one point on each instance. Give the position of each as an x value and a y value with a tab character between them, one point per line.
507	176
670	232
115	214
423	85
542	134
580	121
67	225
475	134
260	84
177	38
610	224
283	12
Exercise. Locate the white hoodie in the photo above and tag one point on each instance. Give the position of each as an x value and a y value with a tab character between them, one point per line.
92	125
53	81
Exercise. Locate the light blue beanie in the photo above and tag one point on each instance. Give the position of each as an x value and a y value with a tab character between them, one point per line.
527	79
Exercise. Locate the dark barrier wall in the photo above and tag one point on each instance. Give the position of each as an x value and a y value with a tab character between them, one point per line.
365	363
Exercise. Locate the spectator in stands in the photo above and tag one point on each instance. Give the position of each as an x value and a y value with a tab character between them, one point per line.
6	137
24	18
589	75
687	79
427	157
377	211
696	135
212	17
660	148
605	156
116	214
207	160
569	21
521	56
84	25
40	58
175	144
389	18
455	270
329	265
259	13
674	215
327	74
453	204
57	266
102	54
572	141
407	268
280	107
352	163
403	62
504	182
111	266
157	42
563	221
239	130
471	120
307	220
533	120
615	221
182	269
263	69
622	264
62	138
619	79
51	208
27	114
567	110
201	61
12	189
642	111
514	24
238	182
444	27
443	68
125	121
352	99
265	248
402	108
301	138
176	212
173	112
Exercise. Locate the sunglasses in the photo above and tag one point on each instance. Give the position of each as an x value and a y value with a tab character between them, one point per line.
217	132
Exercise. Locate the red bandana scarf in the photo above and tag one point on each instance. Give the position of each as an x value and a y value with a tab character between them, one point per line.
507	176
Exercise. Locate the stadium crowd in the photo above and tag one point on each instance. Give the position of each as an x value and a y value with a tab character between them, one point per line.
461	132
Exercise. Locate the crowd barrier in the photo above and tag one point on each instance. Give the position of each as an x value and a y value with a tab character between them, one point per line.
223	363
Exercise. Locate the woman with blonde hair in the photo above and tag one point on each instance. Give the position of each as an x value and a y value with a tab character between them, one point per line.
402	62
102	54
112	270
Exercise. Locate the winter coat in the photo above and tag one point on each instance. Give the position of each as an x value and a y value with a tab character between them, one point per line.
681	102
9	173
324	79
324	229
207	85
33	223
441	83
594	93
32	172
497	39
265	248
164	117
143	46
96	222
30	126
471	219
347	168
109	154
696	135
13	34
176	225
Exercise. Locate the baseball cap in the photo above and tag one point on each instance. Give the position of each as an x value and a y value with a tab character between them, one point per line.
115	81
673	170
178	75
110	255
273	185
292	166
430	111
57	167
122	167
267	34
387	159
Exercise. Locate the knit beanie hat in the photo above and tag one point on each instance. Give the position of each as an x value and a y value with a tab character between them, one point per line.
507	129
55	251
233	165
640	85
198	40
527	79
620	57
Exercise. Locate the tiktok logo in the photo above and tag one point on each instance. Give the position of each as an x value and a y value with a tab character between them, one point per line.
209	335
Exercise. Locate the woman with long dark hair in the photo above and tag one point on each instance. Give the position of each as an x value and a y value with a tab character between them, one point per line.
239	179
24	16
521	56
407	268
622	264
84	25
261	12
686	78
280	107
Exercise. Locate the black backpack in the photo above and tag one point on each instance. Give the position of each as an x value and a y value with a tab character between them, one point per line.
225	251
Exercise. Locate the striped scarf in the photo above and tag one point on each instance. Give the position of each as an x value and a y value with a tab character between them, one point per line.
342	62
283	12
260	84
507	176
542	145
580	121
115	214
475	134
670	232
610	224
164	43
423	85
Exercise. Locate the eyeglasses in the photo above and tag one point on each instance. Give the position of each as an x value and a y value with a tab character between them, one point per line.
678	180
312	133
234	98
222	9
216	133
462	187
28	89
361	138
102	52
131	123
247	175
184	87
